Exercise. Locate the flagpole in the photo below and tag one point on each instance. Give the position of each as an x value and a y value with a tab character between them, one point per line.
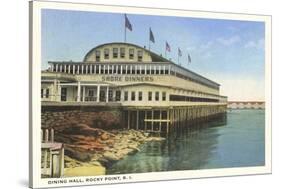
125	30
125	35
149	40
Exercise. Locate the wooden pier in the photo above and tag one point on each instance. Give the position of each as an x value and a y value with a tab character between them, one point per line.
52	155
164	119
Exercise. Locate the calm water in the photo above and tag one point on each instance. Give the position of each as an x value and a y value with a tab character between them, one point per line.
236	140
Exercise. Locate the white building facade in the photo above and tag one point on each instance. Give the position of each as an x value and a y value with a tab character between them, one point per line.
129	75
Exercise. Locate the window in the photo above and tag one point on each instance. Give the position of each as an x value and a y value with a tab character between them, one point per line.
126	96
138	70
118	95
149	96
152	70
133	96
122	52
128	69
47	93
97	55
115	52
101	69
97	69
113	69
140	96
106	53
156	96
157	70
42	93
106	69
162	70
110	95
131	53
140	56
133	69
119	69
148	69
163	96
63	94
91	93
143	70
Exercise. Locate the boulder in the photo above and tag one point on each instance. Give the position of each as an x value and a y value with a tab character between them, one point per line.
111	156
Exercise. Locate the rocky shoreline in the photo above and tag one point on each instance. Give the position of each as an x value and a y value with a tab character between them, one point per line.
89	151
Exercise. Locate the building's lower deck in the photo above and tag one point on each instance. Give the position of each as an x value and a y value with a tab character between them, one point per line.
154	119
164	119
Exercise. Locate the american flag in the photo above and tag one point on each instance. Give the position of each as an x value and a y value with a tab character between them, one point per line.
179	52
168	47
151	36
189	58
127	23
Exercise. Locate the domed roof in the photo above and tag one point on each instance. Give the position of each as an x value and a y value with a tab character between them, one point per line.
154	57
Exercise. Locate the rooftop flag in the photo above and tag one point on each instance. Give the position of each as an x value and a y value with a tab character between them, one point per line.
128	24
189	58
168	48
179	52
151	36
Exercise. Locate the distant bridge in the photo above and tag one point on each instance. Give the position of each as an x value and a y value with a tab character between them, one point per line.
246	105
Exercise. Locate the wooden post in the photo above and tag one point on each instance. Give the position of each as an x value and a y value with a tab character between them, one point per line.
52	135
145	123
173	116
168	123
46	135
178	115
137	119
61	162
51	162
160	124
45	158
128	119
152	116
54	169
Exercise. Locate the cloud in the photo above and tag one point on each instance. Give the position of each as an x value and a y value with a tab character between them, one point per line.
191	48
259	44
207	55
229	41
242	87
206	45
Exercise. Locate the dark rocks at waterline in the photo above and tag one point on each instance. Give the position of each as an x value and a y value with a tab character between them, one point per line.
84	144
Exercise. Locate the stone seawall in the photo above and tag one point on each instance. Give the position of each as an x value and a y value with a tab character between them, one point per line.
96	117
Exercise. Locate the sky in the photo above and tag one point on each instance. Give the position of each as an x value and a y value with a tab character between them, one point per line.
229	52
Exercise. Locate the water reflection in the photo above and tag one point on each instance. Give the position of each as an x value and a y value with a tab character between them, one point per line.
220	142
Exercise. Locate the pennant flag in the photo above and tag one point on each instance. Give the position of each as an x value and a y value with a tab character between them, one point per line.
189	58
168	47
127	23
151	36
179	52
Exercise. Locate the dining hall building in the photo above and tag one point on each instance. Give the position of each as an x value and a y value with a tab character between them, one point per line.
152	92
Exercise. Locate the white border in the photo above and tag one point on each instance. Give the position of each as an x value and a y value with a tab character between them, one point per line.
35	108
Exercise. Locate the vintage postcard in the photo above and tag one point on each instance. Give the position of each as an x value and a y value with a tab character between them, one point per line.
130	94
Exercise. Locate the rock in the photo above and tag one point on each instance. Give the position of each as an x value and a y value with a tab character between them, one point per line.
154	139
111	156
146	134
124	152
104	136
134	147
78	155
95	163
